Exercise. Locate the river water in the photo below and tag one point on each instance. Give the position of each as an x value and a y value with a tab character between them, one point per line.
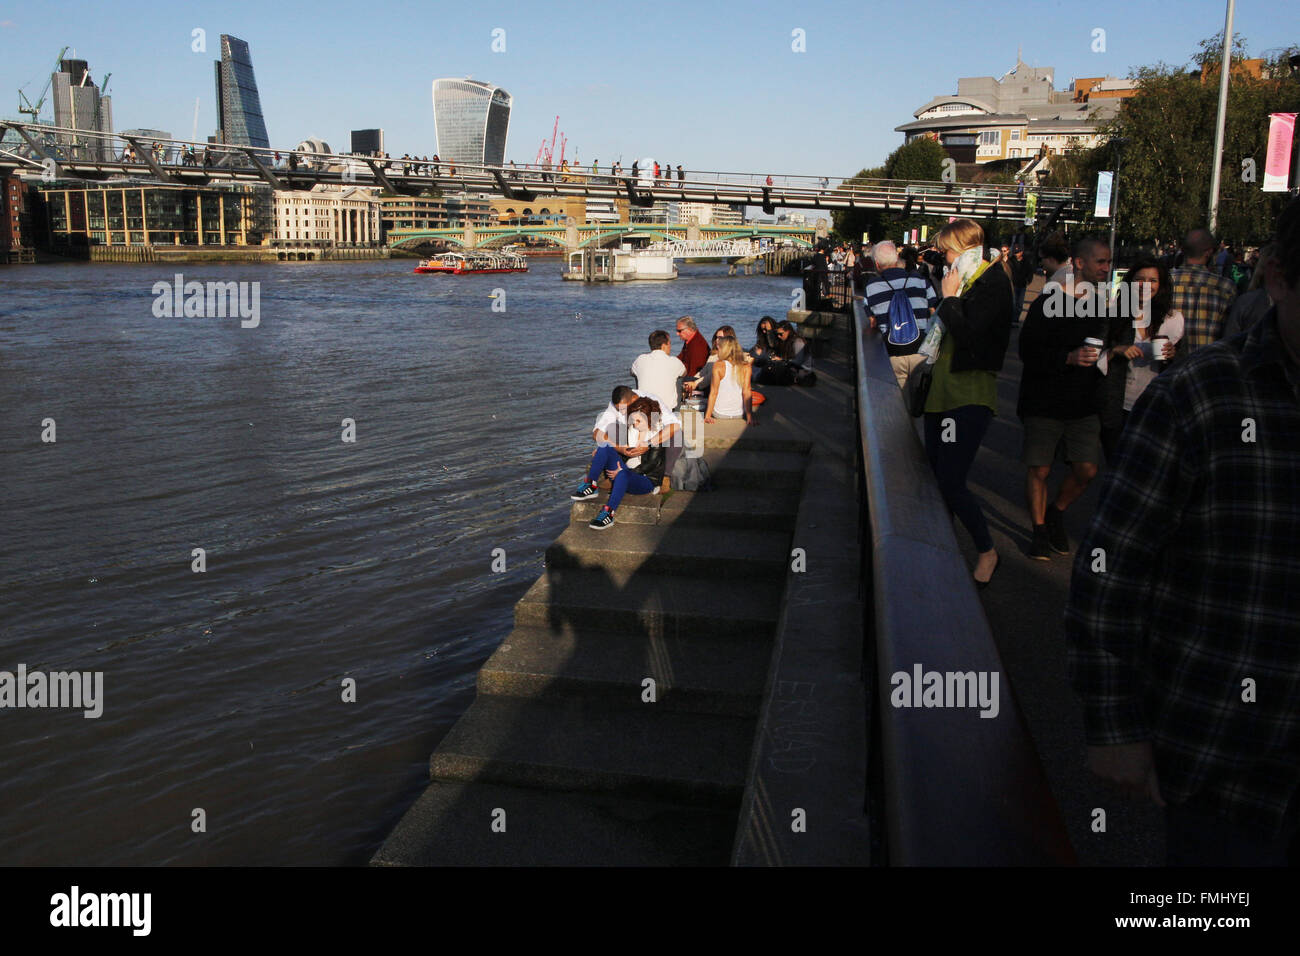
225	737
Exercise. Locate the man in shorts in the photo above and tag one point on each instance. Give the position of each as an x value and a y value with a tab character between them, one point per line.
1060	390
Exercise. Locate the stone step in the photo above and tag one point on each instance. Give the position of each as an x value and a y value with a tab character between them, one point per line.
773	470
451	825
769	509
673	549
650	604
644	751
773	510
694	673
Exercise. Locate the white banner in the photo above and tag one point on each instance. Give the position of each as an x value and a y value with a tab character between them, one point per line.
1105	180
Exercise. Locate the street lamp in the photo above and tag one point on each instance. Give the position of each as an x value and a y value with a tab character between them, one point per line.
1118	142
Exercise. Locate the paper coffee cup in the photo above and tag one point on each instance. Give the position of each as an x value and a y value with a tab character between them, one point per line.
1158	348
1094	343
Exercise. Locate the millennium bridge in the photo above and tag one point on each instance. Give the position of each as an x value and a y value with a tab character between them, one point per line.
53	152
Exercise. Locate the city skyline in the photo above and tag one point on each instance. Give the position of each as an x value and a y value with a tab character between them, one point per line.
733	94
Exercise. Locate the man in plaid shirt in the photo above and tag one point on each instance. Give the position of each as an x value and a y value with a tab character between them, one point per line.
1183	623
1200	293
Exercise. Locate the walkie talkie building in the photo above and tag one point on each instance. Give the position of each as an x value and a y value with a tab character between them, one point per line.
239	108
471	120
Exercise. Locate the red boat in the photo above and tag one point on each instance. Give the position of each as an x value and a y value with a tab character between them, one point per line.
473	263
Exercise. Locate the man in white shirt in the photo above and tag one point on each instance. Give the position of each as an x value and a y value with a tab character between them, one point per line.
658	371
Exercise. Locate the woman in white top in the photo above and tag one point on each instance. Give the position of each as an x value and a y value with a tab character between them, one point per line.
1131	365
729	393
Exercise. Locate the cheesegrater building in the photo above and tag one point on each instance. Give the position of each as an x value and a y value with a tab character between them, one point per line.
239	108
471	120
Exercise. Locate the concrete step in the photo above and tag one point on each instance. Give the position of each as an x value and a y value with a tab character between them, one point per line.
773	510
694	673
653	605
451	825
770	509
737	468
644	751
673	549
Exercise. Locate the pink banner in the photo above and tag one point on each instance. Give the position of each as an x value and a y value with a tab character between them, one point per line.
1277	162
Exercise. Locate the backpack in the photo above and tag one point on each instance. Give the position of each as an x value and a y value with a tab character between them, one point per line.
902	317
692	474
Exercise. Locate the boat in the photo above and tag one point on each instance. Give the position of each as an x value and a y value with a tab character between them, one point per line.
467	263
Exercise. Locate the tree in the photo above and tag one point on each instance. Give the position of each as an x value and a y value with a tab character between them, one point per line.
920	159
1164	180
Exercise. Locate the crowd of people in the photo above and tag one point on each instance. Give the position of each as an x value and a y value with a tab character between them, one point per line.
1183	379
638	436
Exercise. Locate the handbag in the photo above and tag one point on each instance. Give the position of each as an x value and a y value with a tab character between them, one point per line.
917	388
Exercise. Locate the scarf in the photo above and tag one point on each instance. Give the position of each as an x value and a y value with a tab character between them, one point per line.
970	265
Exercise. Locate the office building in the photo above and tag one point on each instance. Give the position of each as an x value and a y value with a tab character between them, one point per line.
80	105
368	142
471	120
328	215
114	214
239	108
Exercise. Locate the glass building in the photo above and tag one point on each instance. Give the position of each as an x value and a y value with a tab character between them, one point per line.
115	214
471	120
239	109
78	104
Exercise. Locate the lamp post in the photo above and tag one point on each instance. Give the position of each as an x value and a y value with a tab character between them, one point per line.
1225	67
1118	143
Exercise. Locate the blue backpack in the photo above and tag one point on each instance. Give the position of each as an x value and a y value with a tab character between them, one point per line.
903	329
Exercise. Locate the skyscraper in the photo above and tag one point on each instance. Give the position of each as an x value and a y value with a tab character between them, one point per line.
239	108
79	105
368	142
471	120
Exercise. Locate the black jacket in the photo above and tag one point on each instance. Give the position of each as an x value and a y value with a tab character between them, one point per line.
980	322
1049	388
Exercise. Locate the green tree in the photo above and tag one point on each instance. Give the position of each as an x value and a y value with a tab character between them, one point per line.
1168	128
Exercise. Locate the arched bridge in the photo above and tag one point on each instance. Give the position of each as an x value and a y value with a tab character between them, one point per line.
55	152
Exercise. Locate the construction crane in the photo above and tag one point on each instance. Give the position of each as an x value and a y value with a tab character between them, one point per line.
34	109
546	153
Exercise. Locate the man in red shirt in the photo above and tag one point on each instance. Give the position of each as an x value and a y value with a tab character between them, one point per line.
695	351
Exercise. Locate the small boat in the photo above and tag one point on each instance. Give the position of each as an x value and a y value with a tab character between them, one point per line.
467	263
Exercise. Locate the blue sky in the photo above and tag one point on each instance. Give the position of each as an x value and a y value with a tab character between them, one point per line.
711	85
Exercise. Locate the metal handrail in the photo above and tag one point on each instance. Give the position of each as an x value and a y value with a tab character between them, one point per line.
958	789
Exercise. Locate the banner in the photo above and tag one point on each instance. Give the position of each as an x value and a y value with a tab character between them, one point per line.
1277	161
1104	182
1031	208
915	233
924	230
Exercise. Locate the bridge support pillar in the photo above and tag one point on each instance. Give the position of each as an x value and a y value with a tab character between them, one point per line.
469	236
693	232
571	233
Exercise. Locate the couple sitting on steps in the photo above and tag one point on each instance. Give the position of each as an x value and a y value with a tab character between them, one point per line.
637	443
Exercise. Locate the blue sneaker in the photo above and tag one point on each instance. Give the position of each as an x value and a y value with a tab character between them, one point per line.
604	519
588	490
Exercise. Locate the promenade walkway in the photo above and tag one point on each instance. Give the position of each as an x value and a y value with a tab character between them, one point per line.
1025	605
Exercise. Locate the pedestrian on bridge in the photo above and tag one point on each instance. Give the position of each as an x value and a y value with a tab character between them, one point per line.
681	177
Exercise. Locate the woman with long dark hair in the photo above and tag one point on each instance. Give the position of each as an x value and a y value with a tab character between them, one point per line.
966	344
1131	364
